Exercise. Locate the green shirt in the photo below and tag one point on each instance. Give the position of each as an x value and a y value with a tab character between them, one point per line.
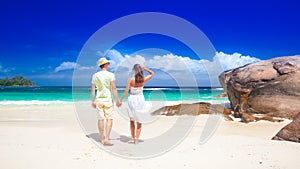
102	80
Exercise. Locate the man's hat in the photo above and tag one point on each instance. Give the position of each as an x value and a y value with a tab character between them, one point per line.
102	61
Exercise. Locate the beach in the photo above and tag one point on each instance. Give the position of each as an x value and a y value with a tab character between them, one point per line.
51	136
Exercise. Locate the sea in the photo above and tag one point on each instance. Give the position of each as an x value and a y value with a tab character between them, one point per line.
45	95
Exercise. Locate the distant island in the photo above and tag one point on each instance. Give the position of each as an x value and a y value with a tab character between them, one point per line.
16	81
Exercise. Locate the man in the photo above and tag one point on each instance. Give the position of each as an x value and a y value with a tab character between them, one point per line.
104	82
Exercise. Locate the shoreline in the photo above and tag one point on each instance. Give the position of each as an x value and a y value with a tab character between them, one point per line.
51	137
61	102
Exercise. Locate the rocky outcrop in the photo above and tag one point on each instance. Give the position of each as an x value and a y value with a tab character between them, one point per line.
270	87
222	95
194	109
290	132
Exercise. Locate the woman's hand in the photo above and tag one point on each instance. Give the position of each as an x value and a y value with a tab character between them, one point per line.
119	103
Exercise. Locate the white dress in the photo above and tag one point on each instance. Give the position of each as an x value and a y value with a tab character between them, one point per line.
138	110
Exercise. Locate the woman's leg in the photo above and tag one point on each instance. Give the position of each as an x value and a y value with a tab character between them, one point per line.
138	132
132	129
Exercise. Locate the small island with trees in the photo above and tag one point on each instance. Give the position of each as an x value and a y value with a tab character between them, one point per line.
16	81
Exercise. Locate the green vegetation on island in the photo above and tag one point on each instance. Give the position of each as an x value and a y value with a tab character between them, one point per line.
16	81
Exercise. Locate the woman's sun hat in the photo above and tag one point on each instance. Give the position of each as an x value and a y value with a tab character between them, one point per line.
102	61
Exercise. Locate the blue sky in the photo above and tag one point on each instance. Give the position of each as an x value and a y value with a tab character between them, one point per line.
42	39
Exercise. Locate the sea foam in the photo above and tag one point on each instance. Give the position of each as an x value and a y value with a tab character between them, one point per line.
33	102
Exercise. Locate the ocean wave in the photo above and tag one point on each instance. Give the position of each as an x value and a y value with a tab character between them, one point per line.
219	88
156	89
33	102
206	97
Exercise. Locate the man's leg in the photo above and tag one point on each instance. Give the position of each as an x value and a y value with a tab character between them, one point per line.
101	130
109	123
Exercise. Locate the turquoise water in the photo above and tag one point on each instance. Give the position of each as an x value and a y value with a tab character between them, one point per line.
70	94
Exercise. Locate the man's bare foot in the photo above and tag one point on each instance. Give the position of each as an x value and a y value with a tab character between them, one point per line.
107	143
102	140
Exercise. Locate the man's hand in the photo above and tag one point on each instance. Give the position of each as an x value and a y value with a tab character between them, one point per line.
119	104
93	104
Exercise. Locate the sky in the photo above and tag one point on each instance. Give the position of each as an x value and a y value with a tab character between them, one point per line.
44	40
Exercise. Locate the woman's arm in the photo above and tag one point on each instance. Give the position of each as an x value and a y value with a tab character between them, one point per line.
126	90
151	73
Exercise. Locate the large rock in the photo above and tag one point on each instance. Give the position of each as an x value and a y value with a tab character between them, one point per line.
194	109
270	87
290	132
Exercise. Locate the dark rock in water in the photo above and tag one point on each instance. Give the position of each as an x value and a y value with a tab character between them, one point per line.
193	109
270	87
222	95
290	132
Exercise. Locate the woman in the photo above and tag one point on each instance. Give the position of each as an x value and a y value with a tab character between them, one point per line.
137	110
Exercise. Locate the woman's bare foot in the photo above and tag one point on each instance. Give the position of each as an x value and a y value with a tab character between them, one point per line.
131	141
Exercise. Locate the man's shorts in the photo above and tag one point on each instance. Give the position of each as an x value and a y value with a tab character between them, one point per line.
105	110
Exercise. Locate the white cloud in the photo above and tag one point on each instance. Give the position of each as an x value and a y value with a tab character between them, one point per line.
65	66
114	57
129	61
182	70
234	60
70	66
5	70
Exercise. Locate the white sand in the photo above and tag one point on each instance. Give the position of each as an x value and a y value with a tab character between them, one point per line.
50	137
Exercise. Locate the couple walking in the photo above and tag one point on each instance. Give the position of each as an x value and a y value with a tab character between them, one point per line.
103	84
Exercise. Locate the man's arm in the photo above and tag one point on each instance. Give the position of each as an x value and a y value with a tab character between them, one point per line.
93	95
115	92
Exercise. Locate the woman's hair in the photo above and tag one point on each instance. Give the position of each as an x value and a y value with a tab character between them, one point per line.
139	75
